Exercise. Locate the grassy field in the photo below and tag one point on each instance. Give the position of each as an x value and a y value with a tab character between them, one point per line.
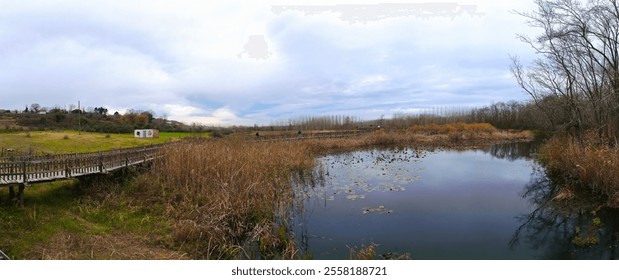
46	142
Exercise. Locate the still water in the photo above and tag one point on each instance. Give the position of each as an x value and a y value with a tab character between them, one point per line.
440	204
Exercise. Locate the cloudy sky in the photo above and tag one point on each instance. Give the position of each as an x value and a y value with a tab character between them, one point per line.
230	62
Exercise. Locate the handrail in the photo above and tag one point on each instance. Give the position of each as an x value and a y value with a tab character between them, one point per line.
302	136
29	169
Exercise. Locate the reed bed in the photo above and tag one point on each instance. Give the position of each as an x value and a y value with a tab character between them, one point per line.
458	136
587	167
227	198
459	127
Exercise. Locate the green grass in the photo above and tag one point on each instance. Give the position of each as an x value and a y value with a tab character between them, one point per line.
68	211
46	214
45	142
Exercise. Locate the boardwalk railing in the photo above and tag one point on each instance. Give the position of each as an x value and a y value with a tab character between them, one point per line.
31	169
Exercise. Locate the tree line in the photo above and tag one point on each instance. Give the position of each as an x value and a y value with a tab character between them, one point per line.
94	119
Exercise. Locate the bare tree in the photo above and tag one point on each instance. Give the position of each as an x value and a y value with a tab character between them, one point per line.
35	107
578	64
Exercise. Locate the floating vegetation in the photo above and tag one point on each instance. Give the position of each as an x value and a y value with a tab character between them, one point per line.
379	210
355	196
395	256
389	187
354	175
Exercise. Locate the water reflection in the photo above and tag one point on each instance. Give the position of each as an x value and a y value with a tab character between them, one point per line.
513	151
427	204
566	226
493	203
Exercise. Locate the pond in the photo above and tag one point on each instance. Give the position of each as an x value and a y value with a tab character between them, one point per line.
442	204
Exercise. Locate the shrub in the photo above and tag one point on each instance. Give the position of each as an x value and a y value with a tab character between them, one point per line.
584	167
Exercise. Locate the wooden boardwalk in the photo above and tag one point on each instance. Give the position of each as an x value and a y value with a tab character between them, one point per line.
22	171
305	136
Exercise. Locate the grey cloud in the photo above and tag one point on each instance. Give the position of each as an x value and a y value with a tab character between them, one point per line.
197	63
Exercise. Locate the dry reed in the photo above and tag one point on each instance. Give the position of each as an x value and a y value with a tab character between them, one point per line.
224	195
584	167
364	253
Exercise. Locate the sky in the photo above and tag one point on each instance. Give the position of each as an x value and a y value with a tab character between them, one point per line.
227	63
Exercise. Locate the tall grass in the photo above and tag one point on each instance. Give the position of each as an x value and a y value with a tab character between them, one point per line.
458	135
458	127
225	196
586	167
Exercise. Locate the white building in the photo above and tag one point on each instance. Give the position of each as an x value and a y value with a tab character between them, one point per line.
146	133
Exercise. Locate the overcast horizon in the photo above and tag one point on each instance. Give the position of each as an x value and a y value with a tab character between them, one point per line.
229	63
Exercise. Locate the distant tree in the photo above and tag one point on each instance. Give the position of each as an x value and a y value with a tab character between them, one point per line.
150	115
35	107
101	110
59	116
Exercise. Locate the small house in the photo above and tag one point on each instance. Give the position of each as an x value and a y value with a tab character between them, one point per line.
146	133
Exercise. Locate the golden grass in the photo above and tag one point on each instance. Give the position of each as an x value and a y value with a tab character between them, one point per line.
224	195
588	167
418	137
364	253
458	127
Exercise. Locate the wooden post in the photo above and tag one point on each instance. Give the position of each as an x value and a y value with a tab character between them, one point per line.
67	170
24	173
100	163
11	193
20	194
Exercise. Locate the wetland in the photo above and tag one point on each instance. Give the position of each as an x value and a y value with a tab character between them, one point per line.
486	203
383	195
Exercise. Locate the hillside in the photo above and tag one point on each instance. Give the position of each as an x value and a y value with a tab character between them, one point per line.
94	121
